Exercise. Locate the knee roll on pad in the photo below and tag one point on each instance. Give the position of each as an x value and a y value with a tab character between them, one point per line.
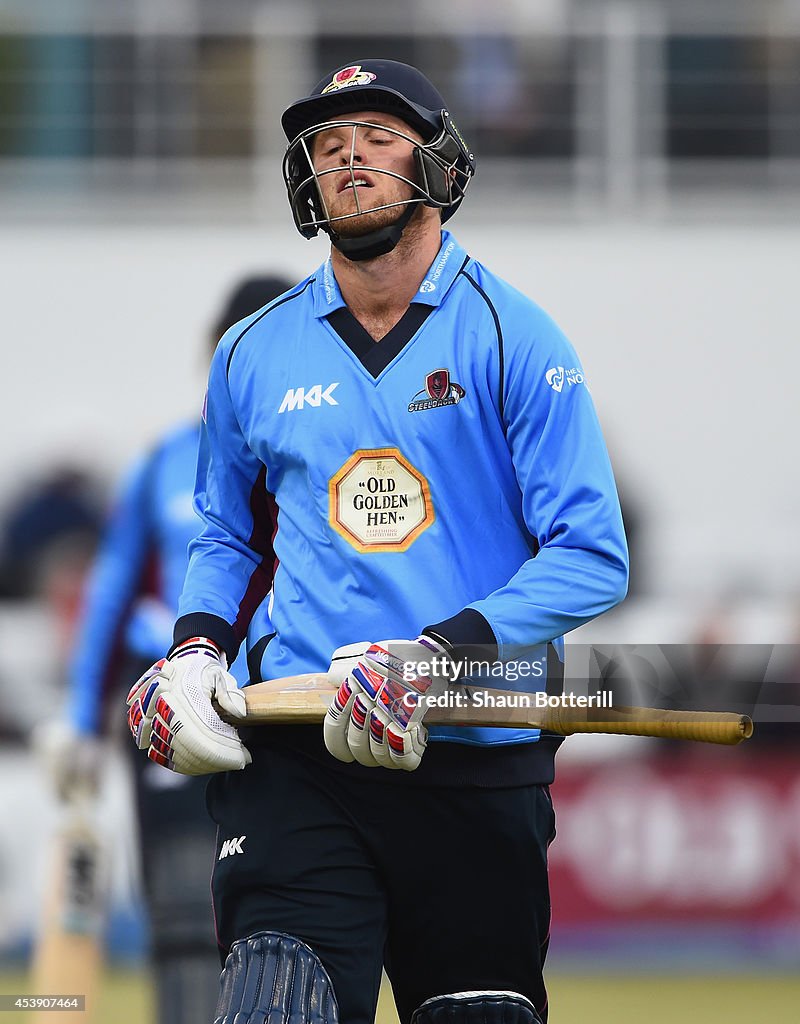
272	978
477	1008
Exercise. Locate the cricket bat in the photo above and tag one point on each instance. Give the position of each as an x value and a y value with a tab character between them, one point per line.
68	956
305	698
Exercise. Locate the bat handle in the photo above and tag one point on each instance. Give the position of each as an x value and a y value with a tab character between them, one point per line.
704	726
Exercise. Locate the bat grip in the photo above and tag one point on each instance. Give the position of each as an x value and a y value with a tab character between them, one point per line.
704	726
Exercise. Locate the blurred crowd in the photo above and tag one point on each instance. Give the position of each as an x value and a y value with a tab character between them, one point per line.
528	79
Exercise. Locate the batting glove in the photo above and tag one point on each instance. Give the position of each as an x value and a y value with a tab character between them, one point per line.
171	716
72	761
376	716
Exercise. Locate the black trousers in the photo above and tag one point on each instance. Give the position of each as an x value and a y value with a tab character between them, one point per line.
446	886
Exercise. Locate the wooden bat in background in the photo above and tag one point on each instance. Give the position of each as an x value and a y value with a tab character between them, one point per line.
304	699
69	952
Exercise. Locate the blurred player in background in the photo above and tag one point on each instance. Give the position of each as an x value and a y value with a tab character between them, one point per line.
127	619
401	446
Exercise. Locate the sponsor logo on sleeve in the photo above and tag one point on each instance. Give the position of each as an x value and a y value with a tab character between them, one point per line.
557	377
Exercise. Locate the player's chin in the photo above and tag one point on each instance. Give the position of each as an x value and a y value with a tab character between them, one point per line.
367	222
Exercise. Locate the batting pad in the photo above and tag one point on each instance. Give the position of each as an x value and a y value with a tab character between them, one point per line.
272	978
490	1007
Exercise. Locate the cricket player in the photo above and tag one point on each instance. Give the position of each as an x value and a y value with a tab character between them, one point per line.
129	610
403	446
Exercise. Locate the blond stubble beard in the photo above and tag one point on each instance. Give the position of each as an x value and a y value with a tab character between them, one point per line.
356	225
365	223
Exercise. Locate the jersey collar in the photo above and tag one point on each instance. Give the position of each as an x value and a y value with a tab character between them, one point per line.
327	296
441	274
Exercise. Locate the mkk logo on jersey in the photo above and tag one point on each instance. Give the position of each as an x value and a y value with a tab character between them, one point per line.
557	376
231	846
439	390
299	398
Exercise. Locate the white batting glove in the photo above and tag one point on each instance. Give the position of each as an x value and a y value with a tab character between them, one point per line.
376	716
171	716
71	760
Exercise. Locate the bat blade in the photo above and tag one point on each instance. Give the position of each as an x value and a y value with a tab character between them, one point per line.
68	955
304	700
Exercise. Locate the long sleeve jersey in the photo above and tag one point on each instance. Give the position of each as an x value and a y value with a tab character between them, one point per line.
133	589
452	476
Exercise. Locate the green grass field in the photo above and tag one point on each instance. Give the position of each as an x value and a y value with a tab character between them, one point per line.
574	999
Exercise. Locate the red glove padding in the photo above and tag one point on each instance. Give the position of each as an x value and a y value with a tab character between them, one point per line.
376	716
171	715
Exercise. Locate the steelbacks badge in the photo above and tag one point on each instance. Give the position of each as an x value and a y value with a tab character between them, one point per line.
349	76
439	390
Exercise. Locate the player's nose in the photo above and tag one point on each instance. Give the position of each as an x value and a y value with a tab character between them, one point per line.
352	156
354	153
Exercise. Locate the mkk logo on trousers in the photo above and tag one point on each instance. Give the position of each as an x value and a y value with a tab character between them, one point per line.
299	398
231	846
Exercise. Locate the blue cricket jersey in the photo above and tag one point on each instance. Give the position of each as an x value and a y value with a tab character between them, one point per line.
452	476
136	580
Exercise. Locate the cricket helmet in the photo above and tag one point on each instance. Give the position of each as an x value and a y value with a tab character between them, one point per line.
444	163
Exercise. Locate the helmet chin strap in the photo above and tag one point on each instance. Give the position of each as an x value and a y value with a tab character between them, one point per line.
376	243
